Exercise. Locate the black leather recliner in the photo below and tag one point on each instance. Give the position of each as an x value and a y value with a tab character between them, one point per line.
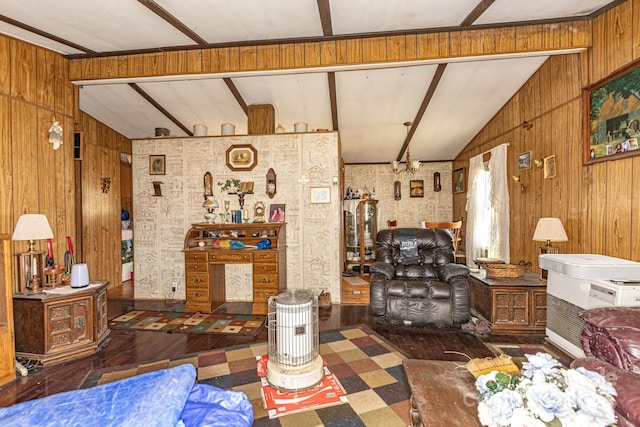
415	279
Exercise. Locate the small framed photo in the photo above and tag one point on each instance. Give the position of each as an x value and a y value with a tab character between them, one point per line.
550	167
458	180
416	188
157	164
321	195
276	213
524	160
242	157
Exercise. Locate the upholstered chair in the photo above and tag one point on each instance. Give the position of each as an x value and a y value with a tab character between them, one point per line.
415	280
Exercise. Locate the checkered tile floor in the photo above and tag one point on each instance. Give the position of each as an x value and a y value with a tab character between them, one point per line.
369	369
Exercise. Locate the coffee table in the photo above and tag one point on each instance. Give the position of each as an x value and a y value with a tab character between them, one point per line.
442	393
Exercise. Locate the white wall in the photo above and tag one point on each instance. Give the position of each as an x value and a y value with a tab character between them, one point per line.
160	223
434	206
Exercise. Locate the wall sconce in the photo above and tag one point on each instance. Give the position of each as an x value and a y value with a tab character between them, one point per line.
517	179
157	190
538	162
106	184
397	195
436	182
271	183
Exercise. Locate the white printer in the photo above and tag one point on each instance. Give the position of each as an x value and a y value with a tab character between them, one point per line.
576	282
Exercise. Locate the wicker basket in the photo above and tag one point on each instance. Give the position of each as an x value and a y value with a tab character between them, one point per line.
497	271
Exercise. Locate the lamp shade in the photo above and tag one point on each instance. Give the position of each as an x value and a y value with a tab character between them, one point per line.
32	227
210	202
550	230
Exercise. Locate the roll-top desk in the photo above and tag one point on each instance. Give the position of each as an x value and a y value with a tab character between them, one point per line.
204	261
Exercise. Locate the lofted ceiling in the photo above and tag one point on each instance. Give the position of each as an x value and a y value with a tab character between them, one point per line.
447	101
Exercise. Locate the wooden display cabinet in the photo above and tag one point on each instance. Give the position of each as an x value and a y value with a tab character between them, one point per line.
7	347
61	324
360	230
205	261
510	305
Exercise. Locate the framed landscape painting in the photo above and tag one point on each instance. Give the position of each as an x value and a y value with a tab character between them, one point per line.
611	116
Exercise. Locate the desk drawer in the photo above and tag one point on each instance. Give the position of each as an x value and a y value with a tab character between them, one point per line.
196	268
197	280
198	295
264	268
265	281
263	295
191	257
265	256
229	256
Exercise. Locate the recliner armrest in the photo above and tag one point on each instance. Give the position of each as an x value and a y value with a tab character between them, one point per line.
451	270
388	270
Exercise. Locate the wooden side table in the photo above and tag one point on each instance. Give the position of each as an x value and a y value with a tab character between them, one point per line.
510	305
442	394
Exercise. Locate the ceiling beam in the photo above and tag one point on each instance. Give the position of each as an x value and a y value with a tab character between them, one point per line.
476	12
175	22
46	35
160	108
423	107
333	99
324	9
236	94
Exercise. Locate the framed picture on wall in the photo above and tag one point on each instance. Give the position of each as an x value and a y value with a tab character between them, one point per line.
458	180
549	167
242	157
276	213
611	116
157	164
416	188
321	195
524	160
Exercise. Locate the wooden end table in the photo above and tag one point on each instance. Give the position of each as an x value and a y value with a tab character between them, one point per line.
442	393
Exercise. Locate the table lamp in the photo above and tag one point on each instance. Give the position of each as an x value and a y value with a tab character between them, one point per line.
549	230
210	204
31	227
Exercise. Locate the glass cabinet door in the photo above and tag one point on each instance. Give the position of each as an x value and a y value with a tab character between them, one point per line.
360	229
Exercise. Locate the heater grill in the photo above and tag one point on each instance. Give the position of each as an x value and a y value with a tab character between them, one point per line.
294	362
563	319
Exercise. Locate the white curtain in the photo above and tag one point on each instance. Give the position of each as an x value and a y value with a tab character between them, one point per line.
488	208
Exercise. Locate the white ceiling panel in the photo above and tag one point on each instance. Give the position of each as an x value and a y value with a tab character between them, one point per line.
208	102
468	96
373	105
27	36
234	20
101	26
123	109
527	10
358	16
295	97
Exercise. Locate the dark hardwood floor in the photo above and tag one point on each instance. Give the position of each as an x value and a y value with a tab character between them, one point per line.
133	347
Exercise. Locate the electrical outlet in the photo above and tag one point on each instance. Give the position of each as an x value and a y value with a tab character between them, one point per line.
174	286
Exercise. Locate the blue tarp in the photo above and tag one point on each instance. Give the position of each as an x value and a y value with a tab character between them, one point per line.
167	397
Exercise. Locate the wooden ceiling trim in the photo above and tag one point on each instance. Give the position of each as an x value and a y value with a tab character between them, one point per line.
46	35
443	45
476	12
175	22
160	108
423	107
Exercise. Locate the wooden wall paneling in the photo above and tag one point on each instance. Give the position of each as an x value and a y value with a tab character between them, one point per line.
60	80
247	58
287	55
619	23
312	54
473	42
341	52
5	65
136	66
328	53
6	172
411	46
635	211
153	64
427	46
23	71
46	172
66	195
505	40
617	223
635	4
268	57
574	168
45	78
374	49
455	48
396	46
529	38
24	158
354	51
598	67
